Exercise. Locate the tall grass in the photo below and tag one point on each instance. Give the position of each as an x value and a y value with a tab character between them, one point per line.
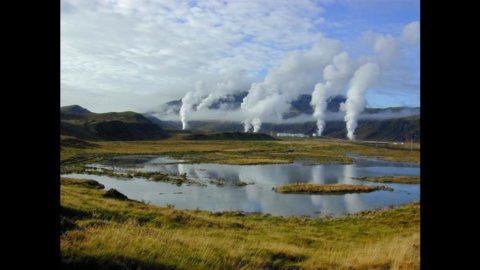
115	234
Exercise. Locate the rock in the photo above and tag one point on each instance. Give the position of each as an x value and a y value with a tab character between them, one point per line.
66	224
115	194
93	184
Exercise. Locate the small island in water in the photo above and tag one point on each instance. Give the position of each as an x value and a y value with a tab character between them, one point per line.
410	179
312	188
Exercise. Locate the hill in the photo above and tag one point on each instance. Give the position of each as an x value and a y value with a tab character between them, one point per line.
79	122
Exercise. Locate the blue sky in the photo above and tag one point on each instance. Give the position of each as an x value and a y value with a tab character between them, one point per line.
137	54
345	20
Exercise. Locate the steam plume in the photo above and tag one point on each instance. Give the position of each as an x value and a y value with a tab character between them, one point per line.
334	76
189	101
297	74
247	125
209	90
232	81
256	123
364	78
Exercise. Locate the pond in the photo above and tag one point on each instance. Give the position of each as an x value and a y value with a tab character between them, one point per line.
258	195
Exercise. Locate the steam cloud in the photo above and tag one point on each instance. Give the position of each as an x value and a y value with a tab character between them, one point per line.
363	79
324	68
296	74
206	92
334	76
189	101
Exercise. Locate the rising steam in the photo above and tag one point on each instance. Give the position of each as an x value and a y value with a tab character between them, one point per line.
189	101
334	76
208	91
324	68
362	80
297	74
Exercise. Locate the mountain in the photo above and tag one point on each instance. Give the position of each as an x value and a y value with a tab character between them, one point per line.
231	101
299	106
74	109
79	122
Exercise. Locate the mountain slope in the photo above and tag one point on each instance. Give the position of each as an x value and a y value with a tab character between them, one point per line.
79	122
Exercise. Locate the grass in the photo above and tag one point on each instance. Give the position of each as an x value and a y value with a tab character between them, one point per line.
391	179
319	151
311	188
106	233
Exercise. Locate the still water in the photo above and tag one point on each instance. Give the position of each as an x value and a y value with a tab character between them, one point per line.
259	196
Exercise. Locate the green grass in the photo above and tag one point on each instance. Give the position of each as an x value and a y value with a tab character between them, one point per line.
391	179
311	188
105	233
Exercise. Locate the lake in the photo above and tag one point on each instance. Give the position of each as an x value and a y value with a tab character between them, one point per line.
258	196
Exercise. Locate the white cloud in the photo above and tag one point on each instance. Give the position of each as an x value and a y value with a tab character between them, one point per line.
411	33
142	47
137	54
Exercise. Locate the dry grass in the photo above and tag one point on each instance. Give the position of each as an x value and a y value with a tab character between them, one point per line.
114	234
248	152
312	188
104	233
395	253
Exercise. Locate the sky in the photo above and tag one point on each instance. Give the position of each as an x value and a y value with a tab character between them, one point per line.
120	55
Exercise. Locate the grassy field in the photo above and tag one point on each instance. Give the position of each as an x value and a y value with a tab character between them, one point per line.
105	233
391	179
311	188
319	151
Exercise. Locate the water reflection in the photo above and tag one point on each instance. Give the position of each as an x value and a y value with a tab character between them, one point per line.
259	197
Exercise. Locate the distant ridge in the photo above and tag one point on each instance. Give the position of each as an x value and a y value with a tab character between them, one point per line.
79	122
74	109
